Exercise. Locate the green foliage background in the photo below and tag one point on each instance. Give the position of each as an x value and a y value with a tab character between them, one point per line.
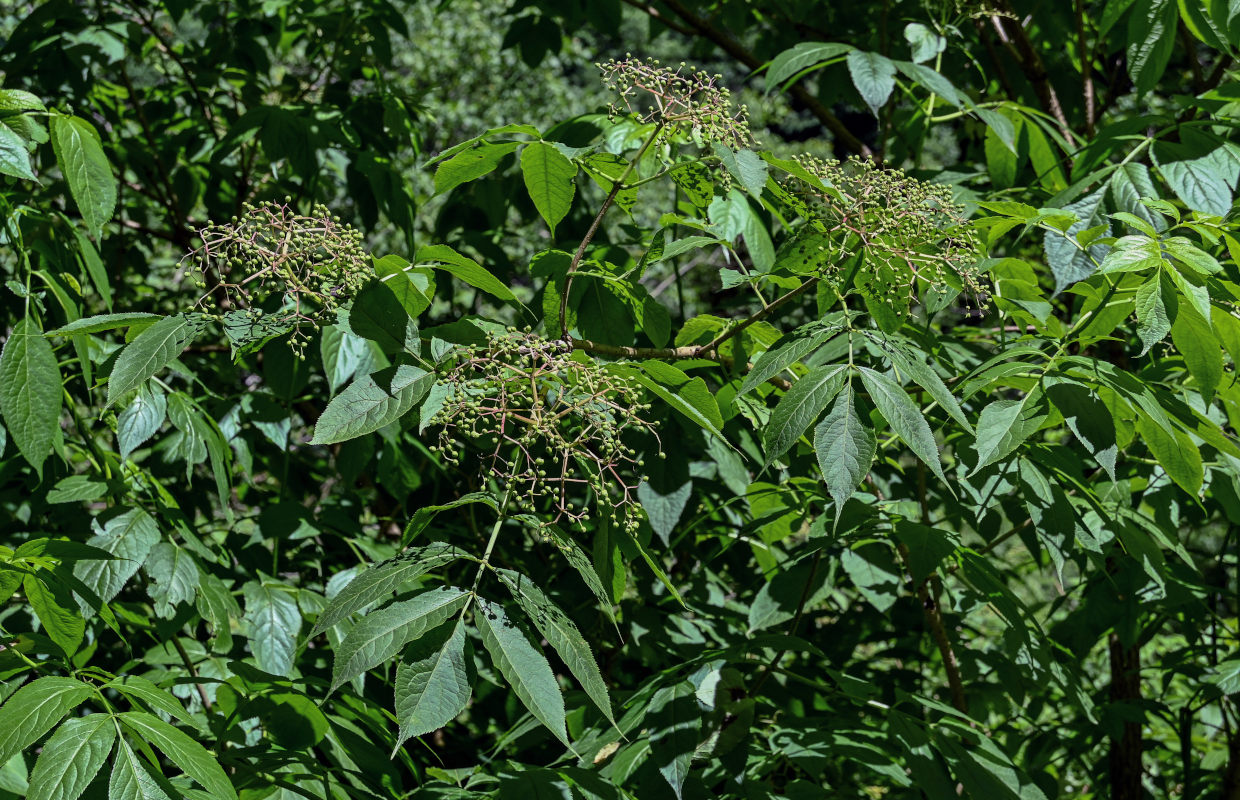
637	451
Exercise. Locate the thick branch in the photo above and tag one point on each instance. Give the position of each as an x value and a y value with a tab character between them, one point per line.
730	45
1014	35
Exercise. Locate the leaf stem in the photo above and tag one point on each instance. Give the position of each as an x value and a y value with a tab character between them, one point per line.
616	187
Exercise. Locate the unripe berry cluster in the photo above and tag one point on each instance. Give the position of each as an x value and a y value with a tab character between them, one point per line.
311	264
681	98
556	428
908	230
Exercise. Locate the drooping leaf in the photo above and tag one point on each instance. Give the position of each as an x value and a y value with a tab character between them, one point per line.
549	179
432	683
372	402
130	780
174	578
151	351
845	448
129	537
800	407
562	635
382	634
674	722
56	609
382	579
81	159
191	757
30	392
523	666
874	75
273	622
72	757
34	709
1151	39
141	419
904	417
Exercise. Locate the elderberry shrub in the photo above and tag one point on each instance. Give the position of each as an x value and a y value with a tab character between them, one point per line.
555	428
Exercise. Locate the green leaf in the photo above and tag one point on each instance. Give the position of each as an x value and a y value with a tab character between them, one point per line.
909	361
372	402
790	349
523	666
874	75
432	684
377	315
1129	184
577	559
1191	256
1153	321
746	166
382	634
30	392
218	609
800	57
272	624
80	156
174	578
1197	295
104	322
151	351
141	419
470	164
924	42
1005	424
1175	452
845	449
72	758
562	635
1199	170
383	579
56	610
1202	352
130	780
904	417
1151	39
135	687
549	178
674	722
441	256
14	157
800	407
34	709
423	516
192	758
663	510
129	537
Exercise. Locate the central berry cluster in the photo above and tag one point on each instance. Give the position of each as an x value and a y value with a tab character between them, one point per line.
306	266
908	230
556	428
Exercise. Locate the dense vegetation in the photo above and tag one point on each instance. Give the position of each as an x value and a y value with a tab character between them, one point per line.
434	400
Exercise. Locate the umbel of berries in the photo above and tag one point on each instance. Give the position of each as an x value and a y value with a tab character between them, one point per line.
557	430
901	236
286	269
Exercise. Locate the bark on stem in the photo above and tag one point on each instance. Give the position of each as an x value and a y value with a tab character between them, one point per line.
938	632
